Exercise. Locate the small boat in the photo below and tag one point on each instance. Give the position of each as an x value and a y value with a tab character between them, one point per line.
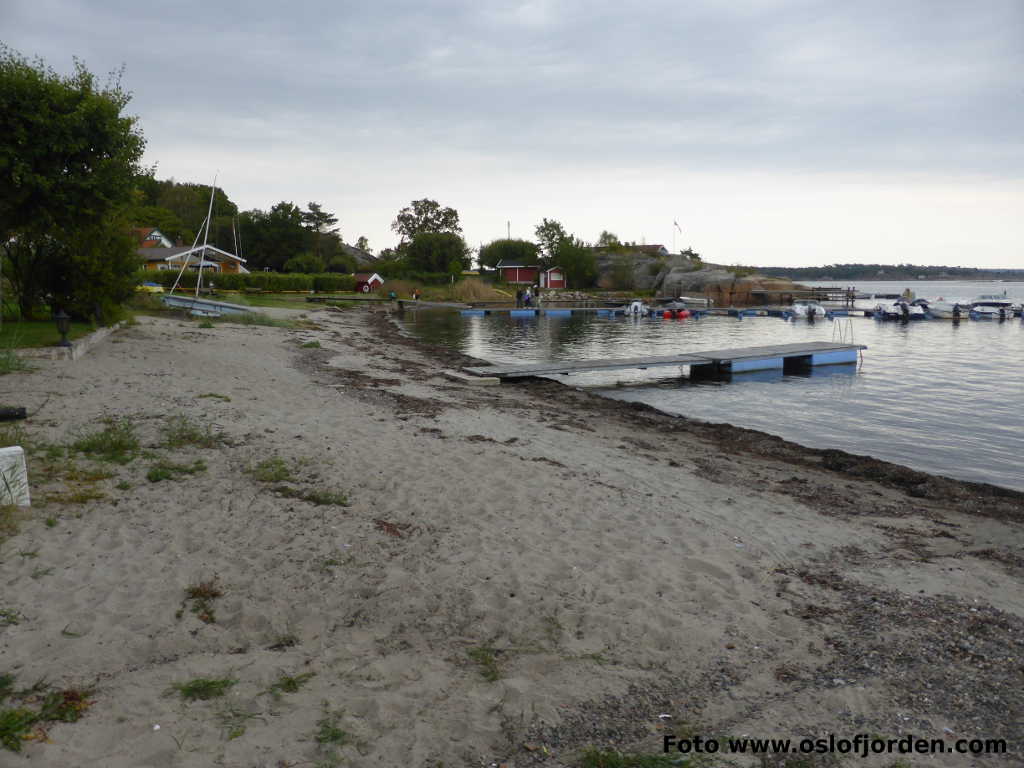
949	310
808	309
991	307
901	309
637	307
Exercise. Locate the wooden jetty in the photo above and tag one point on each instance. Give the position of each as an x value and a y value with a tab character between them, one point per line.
776	356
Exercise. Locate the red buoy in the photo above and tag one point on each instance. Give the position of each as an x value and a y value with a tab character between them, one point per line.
683	313
667	314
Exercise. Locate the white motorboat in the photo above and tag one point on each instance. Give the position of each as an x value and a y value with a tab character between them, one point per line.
808	309
901	309
991	307
949	310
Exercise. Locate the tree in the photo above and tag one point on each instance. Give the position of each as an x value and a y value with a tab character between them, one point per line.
578	262
608	240
319	222
550	234
363	244
423	216
68	163
510	251
438	252
273	237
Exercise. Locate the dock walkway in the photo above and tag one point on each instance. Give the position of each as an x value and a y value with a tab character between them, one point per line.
733	360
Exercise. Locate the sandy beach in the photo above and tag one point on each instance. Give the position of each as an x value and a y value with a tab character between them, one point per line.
415	571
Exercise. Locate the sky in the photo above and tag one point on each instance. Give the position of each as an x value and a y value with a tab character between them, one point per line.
775	132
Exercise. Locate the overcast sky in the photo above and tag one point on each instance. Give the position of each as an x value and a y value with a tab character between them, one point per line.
775	132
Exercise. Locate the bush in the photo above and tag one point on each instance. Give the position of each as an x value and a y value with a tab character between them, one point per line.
264	281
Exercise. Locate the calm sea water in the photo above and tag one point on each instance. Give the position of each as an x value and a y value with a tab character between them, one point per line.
940	397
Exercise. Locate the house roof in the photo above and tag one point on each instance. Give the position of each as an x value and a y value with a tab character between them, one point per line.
178	252
365	277
503	265
143	234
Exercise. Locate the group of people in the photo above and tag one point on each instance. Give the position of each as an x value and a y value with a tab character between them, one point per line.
527	297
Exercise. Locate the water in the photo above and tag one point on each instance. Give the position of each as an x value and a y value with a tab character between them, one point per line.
944	398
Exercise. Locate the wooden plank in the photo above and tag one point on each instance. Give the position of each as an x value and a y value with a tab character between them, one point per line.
701	357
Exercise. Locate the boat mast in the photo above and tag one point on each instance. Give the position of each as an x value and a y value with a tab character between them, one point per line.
206	236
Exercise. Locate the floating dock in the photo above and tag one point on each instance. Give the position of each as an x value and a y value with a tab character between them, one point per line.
776	356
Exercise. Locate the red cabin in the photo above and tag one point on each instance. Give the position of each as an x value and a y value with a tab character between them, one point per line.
367	282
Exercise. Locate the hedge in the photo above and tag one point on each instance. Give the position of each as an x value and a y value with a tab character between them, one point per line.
264	281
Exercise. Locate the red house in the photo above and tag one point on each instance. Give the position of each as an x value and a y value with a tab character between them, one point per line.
368	281
552	278
517	274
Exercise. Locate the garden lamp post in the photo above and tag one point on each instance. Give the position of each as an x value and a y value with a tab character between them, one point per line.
63	326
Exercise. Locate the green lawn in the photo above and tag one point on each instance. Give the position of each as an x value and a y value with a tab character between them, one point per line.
37	333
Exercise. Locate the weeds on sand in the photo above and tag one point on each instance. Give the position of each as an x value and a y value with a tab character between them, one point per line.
610	758
10	516
215	396
10	362
50	522
486	658
183	431
272	470
311	345
283	642
35	709
206	324
202	595
81	494
203	688
124	485
9	617
321	497
168	470
116	442
330	738
233	720
257	318
287	684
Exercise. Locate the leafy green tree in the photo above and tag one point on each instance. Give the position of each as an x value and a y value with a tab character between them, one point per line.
438	252
578	262
608	240
319	222
550	234
510	251
363	244
305	262
68	163
163	219
273	237
425	216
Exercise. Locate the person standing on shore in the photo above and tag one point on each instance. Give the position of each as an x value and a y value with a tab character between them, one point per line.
526	298
519	297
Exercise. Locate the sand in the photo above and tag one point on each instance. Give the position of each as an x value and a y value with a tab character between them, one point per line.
522	572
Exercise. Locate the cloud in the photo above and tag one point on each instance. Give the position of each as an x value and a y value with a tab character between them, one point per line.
457	95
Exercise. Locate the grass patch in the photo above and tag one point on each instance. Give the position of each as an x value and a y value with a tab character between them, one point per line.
80	495
205	324
116	442
183	431
10	362
50	522
289	684
330	737
272	470
215	396
18	334
202	595
9	617
35	709
10	516
486	658
311	345
258	318
203	688
321	497
124	485
168	470
610	758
